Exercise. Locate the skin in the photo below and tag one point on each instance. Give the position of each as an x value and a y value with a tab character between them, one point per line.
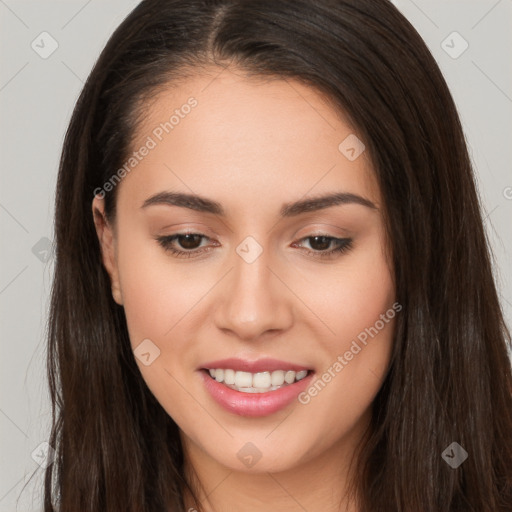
252	146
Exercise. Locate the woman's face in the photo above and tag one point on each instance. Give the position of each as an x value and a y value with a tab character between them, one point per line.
243	158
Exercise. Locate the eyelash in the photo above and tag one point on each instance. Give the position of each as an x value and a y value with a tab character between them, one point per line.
344	245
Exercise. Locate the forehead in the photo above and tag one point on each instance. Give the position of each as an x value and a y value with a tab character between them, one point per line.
243	139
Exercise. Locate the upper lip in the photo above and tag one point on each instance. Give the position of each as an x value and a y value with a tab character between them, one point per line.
260	365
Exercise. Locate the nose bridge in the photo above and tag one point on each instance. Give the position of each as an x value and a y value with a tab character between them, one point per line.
254	299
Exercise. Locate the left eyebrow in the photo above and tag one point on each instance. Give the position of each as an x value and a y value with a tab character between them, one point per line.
324	201
203	204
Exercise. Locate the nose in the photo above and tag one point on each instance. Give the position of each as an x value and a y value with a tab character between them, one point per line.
253	300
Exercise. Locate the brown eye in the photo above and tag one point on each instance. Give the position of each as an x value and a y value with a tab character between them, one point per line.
322	242
189	242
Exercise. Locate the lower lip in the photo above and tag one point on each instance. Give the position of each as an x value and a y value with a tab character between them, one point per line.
254	404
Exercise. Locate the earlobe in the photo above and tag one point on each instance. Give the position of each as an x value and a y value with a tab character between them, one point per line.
107	246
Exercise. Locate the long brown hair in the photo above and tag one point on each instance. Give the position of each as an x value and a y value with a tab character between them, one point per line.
449	379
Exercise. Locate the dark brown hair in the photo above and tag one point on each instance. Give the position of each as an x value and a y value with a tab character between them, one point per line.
450	376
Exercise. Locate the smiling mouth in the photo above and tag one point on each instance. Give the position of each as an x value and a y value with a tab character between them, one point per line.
260	382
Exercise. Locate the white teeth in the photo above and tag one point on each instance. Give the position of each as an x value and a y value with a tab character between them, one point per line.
229	376
243	379
277	378
260	382
300	375
289	377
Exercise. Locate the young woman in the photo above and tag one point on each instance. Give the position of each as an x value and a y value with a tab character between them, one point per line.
273	288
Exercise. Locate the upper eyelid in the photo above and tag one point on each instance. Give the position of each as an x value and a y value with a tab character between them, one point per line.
314	231
174	236
323	225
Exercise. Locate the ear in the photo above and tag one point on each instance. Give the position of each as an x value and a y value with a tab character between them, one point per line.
106	237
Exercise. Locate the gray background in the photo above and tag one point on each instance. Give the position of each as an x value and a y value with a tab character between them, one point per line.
37	96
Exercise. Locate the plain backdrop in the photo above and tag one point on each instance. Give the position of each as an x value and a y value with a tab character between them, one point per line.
471	41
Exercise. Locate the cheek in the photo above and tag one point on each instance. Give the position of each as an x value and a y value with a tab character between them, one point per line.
156	297
161	302
353	370
156	293
358	306
349	296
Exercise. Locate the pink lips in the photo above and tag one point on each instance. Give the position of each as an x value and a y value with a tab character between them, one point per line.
253	404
